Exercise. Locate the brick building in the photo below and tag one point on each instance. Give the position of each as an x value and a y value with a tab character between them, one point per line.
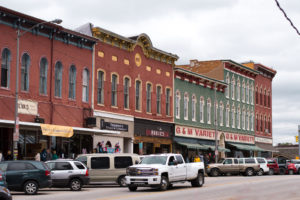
133	91
55	85
263	107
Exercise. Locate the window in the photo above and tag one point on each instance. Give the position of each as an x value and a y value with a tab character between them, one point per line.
233	117
221	113
5	68
43	75
236	161
238	90
100	87
261	123
232	87
25	72
208	111
249	161
63	166
269	125
194	108
247	93
227	115
228	162
158	99
51	165
241	161
238	121
114	81
58	79
257	123
251	94
243	91
185	106
30	166
201	109
72	82
247	121
100	162
149	89
16	166
256	95
79	165
137	95
265	98
123	162
85	85
82	159
227	88
126	93
168	97
261	97
179	159
266	124
261	160
243	119
177	105
216	113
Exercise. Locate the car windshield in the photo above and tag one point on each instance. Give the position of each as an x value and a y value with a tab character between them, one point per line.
155	160
221	160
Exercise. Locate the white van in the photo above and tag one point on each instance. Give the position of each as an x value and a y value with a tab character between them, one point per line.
108	168
264	169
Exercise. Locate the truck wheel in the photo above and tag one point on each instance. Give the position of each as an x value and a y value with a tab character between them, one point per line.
249	172
31	187
281	171
291	172
214	172
132	188
75	184
164	183
271	172
198	182
260	172
122	181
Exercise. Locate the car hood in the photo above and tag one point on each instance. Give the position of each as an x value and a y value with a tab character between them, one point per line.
215	165
147	166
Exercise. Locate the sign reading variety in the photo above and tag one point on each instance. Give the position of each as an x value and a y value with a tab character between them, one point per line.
210	135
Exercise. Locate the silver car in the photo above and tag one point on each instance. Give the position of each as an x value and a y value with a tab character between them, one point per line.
68	173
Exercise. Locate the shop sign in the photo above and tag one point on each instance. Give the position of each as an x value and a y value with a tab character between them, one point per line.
235	137
113	126
264	140
155	133
55	130
27	107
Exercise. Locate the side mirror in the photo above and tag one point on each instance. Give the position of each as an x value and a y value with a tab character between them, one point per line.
136	162
175	162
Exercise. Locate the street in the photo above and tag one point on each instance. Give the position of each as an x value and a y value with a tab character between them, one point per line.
220	188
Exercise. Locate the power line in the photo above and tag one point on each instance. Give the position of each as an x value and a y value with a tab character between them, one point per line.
287	17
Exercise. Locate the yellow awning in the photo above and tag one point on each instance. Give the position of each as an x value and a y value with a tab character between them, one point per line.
55	130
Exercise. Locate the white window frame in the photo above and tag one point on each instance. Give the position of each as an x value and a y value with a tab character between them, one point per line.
232	88
201	109
221	114
227	116
208	112
194	105
177	105
186	107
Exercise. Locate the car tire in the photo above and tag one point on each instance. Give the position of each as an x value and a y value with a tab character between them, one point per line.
198	182
132	188
291	172
122	181
31	187
75	184
214	172
249	172
164	183
260	172
271	172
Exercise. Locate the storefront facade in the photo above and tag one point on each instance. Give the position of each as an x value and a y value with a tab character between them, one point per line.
152	136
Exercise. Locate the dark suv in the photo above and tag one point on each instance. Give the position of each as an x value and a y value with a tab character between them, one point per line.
26	175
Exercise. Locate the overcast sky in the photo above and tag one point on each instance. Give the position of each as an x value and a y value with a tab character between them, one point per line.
240	30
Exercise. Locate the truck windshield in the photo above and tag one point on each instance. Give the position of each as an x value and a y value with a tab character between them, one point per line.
154	160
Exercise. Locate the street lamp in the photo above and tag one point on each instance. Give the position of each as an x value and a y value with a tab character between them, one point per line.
16	127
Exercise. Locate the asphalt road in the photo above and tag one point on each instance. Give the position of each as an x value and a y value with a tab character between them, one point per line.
220	188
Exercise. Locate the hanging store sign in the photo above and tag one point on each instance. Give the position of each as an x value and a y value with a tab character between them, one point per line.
113	126
55	130
156	133
27	107
264	140
207	134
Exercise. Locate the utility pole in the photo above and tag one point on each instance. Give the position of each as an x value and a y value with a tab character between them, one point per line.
216	125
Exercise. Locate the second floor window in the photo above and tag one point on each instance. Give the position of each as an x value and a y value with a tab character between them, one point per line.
43	76
227	116
149	89
126	93
114	80
58	79
72	82
177	105
5	68
201	115
194	108
85	85
137	95
158	100
100	87
25	72
238	121
221	114
185	107
168	100
208	111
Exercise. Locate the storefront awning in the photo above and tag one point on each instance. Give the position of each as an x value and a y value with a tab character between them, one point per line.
222	149
246	147
193	146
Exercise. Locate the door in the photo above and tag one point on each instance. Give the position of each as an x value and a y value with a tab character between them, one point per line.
61	172
235	166
181	168
15	173
173	172
227	166
100	169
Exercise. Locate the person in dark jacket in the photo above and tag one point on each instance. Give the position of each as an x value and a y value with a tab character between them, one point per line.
9	156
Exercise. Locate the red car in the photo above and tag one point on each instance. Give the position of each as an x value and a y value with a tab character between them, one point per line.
293	166
273	166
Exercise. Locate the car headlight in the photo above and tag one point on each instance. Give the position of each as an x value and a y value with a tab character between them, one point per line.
155	171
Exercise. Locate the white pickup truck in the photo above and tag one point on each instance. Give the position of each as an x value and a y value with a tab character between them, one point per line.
161	170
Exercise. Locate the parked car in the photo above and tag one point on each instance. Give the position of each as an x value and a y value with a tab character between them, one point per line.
68	173
293	166
273	166
247	166
108	168
2	179
26	175
264	169
281	161
5	194
161	170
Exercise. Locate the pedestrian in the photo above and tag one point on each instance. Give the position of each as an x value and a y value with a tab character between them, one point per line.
196	158
48	155
1	156
37	156
54	155
44	155
9	155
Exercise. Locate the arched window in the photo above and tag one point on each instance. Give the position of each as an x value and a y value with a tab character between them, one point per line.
269	125
126	92
25	72
100	87
58	79
243	91
5	68
43	75
261	123
201	113
177	105
238	121
208	111
227	115
261	96
228	86
243	118
238	90
216	113
138	95
194	101
168	101
114	90
85	85
221	113
158	99
265	98
186	106
266	125
233	117
257	123
247	92
233	87
72	82
256	95
148	91
252	121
